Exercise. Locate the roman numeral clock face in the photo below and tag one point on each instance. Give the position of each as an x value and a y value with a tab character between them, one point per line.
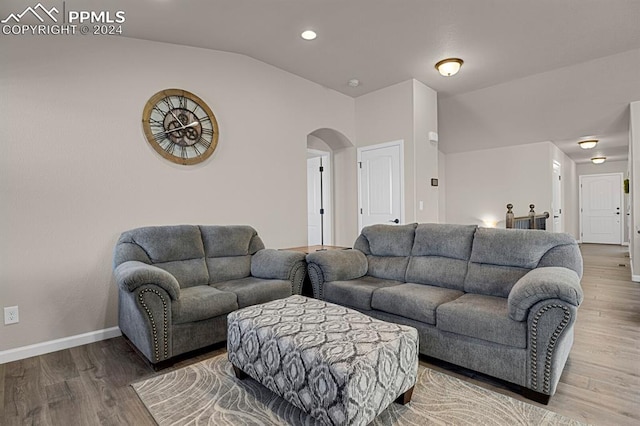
180	126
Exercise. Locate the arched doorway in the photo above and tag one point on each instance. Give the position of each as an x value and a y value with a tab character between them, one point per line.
331	188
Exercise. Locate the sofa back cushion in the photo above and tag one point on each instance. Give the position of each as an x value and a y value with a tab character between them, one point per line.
176	249
387	248
500	257
440	255
228	251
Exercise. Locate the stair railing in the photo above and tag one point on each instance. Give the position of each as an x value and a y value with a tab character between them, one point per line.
530	221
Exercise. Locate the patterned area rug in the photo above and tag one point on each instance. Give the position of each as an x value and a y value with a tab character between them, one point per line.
207	393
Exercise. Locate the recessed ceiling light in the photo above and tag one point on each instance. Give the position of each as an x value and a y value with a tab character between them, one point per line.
588	144
450	66
309	35
598	160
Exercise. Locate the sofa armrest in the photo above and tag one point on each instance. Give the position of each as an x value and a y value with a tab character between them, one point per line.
335	265
540	284
133	274
275	264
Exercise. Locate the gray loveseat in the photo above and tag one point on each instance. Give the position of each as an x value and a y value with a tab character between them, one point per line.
501	302
178	283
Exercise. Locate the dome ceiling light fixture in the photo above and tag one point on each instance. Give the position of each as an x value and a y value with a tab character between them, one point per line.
309	35
598	160
449	67
588	144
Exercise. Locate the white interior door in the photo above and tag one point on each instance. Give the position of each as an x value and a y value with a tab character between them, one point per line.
319	199
380	184
557	197
601	208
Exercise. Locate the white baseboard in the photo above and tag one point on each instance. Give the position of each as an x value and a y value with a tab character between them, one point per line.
58	344
634	278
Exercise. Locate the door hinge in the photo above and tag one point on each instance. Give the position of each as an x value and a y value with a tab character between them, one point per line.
559	177
321	169
560	211
321	211
360	164
360	211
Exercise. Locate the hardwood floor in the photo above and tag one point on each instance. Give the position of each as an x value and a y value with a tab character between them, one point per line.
89	384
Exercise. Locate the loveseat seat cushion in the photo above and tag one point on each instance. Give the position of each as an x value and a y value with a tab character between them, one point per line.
252	290
482	317
415	301
176	249
355	293
202	302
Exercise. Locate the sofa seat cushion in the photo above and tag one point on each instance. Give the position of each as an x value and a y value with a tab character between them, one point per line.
252	290
416	301
355	293
202	302
482	317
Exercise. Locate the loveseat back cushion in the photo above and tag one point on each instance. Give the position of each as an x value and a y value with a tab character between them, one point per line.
500	257
386	240
177	249
228	251
387	248
440	255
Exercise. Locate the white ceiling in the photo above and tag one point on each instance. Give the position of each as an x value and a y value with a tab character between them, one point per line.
383	42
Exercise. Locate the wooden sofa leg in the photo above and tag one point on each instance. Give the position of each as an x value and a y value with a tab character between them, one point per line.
241	375
405	398
542	398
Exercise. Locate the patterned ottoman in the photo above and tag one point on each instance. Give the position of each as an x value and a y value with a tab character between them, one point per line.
340	366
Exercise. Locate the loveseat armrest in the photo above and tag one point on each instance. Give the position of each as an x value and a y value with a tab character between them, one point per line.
541	284
280	265
133	274
334	265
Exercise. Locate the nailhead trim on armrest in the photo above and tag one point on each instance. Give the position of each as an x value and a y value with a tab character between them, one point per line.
153	323
552	344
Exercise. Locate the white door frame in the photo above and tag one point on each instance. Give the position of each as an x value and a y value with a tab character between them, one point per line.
621	175
327	189
557	196
399	143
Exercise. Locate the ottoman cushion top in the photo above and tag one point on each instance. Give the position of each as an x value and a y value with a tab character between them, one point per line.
339	365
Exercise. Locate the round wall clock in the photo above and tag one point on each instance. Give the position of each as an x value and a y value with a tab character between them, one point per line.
180	126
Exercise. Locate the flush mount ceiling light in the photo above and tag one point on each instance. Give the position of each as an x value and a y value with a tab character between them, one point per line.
588	144
354	82
598	160
450	66
308	35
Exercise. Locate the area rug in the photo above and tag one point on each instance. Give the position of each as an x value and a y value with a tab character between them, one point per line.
207	393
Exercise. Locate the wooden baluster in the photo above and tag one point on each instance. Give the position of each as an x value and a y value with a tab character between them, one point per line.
532	217
510	217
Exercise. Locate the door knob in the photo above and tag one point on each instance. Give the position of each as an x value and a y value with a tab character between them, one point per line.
395	221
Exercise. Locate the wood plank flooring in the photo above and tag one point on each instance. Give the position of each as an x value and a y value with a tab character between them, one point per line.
89	385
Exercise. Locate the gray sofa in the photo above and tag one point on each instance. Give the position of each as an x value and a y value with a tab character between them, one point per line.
501	302
178	283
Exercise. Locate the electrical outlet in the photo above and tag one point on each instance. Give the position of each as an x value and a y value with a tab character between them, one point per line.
11	315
